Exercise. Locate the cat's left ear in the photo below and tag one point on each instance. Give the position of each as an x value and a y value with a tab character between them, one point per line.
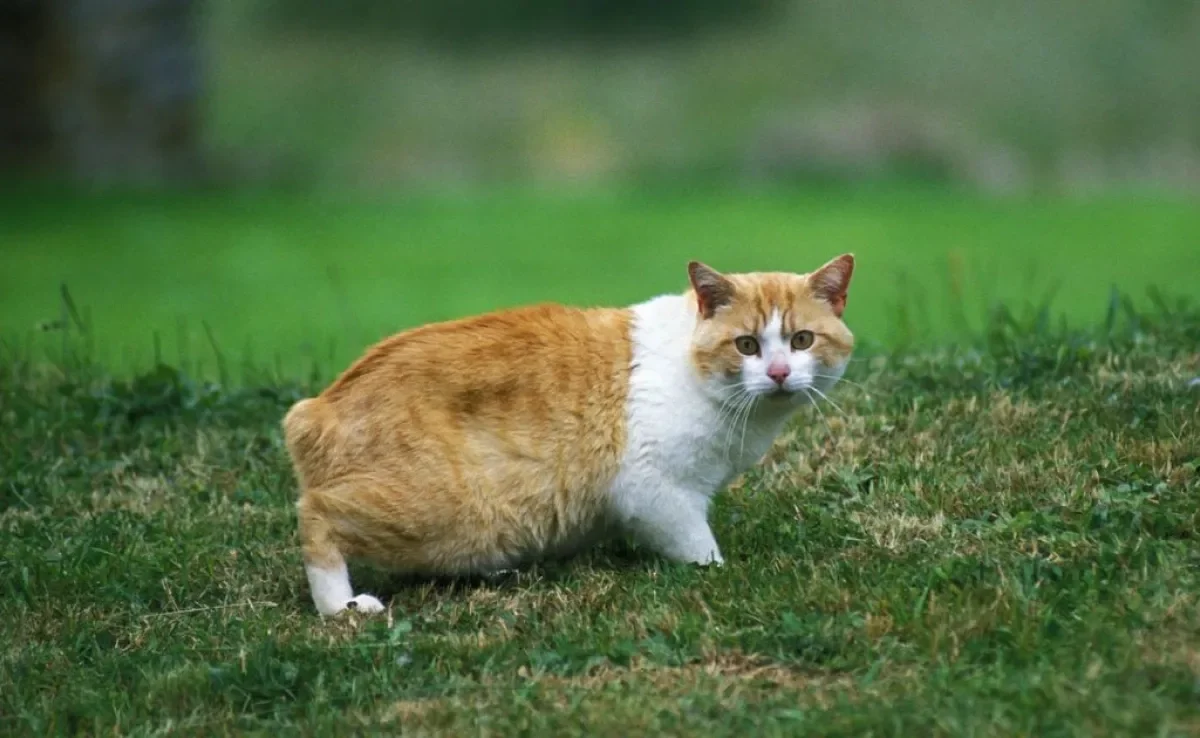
712	289
832	281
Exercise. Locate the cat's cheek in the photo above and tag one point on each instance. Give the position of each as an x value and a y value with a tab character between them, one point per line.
753	375
804	370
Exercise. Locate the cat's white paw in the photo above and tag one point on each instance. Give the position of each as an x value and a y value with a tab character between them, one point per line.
366	604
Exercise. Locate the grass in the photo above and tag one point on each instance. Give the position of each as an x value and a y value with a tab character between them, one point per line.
292	280
994	540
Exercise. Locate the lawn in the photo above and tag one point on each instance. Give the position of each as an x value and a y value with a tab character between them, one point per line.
289	280
994	540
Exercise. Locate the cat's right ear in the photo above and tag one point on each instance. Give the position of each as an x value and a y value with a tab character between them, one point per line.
712	289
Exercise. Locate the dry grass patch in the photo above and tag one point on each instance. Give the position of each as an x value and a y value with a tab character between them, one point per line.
895	532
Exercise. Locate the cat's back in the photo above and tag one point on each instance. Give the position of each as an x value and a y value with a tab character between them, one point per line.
492	359
541	386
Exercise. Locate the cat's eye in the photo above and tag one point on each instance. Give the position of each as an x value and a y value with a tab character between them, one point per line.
746	345
802	340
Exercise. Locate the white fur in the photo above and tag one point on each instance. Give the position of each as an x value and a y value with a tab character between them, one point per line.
332	594
688	436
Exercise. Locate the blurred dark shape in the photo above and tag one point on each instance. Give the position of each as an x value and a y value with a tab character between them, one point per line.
102	91
459	22
23	127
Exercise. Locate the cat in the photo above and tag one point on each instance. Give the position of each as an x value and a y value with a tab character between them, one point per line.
474	445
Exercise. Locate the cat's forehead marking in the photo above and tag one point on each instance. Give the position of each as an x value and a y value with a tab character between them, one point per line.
759	296
773	332
774	321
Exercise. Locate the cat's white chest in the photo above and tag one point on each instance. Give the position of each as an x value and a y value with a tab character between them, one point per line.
676	438
689	441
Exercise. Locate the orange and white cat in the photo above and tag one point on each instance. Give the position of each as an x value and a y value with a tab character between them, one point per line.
474	445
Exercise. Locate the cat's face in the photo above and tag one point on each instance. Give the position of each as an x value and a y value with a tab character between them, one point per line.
774	336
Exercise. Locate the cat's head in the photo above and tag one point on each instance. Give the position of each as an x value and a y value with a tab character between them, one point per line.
778	336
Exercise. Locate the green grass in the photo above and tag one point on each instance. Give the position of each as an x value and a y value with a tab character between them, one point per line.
996	540
293	279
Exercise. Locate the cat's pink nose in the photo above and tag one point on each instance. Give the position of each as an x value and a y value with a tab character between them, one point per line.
778	372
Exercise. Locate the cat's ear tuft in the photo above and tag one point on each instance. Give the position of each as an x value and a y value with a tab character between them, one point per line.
832	281
712	289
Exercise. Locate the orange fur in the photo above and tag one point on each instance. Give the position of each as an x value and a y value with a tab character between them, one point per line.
466	445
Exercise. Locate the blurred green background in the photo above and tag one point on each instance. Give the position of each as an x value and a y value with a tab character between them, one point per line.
292	179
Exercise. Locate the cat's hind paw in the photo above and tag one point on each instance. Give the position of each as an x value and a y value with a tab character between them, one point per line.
365	604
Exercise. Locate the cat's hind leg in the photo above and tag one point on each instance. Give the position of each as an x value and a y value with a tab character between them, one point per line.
328	577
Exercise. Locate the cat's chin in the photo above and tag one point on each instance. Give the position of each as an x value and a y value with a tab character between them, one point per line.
781	397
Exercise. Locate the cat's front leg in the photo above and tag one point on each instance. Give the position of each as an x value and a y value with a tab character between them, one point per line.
672	522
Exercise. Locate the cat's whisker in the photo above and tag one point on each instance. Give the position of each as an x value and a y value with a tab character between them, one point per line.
728	413
843	379
744	404
746	424
742	417
727	408
831	402
813	401
729	420
732	391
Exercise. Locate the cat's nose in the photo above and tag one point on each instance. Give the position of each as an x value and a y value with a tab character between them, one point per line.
778	372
